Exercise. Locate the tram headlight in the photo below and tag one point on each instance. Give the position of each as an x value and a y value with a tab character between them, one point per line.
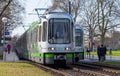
67	48
51	48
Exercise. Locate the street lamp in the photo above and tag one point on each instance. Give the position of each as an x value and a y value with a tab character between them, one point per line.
4	20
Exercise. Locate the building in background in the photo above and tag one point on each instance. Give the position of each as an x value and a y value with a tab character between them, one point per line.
113	41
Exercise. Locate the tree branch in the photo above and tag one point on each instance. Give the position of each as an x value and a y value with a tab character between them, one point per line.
5	7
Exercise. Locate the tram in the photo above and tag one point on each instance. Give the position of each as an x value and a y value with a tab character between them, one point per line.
79	48
49	40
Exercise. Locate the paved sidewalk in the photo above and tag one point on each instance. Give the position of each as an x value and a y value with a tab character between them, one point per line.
12	56
108	58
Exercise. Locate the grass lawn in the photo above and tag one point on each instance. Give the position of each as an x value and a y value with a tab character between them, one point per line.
114	53
20	69
111	62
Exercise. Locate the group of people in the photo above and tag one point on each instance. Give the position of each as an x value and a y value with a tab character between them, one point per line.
101	51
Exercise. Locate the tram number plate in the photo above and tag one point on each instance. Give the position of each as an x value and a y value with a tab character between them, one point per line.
59	57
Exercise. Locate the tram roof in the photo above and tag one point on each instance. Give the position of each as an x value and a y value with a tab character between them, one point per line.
78	26
58	15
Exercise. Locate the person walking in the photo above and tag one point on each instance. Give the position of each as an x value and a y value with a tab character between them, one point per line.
8	48
103	52
98	52
88	53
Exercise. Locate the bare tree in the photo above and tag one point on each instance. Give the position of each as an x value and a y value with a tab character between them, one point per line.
105	14
98	17
64	6
12	9
5	7
2	11
89	20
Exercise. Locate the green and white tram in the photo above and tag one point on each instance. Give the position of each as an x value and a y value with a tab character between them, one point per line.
79	51
49	41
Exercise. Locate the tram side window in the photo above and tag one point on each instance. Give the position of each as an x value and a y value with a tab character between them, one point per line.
44	33
28	40
33	37
30	36
35	34
72	32
79	37
40	33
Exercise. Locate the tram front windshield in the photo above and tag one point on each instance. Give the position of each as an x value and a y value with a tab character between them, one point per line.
59	31
78	37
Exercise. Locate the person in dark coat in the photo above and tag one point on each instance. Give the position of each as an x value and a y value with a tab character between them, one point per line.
88	53
103	52
98	52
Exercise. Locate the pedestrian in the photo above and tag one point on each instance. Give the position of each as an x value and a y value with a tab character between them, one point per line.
110	51
8	48
88	53
98	52
105	50
103	53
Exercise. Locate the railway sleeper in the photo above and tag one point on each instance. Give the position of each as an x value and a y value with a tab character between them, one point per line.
87	72
117	72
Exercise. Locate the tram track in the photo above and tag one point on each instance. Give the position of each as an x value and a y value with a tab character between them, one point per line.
51	70
78	70
82	72
117	67
65	71
106	71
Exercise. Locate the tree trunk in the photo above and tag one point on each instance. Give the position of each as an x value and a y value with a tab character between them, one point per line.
102	39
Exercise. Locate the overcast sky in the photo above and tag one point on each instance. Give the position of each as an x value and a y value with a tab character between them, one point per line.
30	5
